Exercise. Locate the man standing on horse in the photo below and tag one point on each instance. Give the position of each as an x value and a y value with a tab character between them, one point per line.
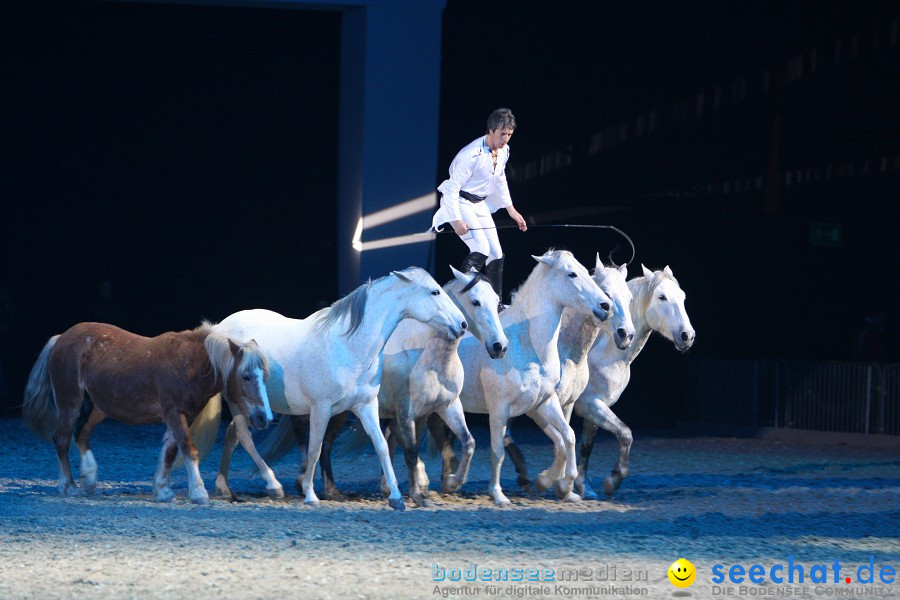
476	188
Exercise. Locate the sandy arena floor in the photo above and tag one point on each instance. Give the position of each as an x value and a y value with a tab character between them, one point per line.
711	500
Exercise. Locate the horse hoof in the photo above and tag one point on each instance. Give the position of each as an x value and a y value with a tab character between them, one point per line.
200	500
165	495
396	503
450	484
225	492
500	499
276	493
611	484
335	495
542	483
589	494
571	497
313	502
73	492
525	484
423	502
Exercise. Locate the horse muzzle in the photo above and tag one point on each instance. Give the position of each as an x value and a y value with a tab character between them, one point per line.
623	340
601	314
684	342
495	350
259	420
457	331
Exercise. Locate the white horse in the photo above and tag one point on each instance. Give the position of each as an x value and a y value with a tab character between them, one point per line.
421	375
525	380
577	335
331	362
658	305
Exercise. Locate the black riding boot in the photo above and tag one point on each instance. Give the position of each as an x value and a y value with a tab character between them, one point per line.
475	260
494	272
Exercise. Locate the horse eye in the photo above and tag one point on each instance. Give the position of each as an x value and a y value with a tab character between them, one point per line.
435	292
247	377
662	297
573	274
476	302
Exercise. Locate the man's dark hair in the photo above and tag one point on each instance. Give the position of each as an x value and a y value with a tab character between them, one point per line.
502	118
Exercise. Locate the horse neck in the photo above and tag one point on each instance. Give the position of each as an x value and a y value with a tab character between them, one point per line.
577	335
540	317
641	291
381	317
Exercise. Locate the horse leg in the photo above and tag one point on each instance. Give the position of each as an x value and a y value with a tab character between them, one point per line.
518	459
318	424
273	487
551	417
598	412
421	473
178	425
443	438
586	446
88	469
62	439
453	416
549	476
368	416
335	425
228	447
393	441
161	488
300	425
405	431
498	432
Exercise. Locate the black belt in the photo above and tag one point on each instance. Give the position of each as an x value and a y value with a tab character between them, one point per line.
471	197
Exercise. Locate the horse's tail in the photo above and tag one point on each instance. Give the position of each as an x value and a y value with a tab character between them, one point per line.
205	427
279	441
204	430
39	410
352	441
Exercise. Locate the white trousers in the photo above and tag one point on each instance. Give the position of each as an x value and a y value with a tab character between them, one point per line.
483	235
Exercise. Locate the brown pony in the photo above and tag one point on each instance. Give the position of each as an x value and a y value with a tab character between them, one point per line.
136	380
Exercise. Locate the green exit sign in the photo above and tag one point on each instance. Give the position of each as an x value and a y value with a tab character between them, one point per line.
826	234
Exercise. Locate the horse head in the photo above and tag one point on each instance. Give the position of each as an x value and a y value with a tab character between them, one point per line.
614	283
569	281
665	311
424	300
476	297
244	367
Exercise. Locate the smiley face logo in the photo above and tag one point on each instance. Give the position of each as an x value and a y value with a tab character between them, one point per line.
682	573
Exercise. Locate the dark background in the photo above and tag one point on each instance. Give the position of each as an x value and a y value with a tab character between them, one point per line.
187	155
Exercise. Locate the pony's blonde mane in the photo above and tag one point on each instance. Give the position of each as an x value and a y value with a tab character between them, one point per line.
221	359
538	272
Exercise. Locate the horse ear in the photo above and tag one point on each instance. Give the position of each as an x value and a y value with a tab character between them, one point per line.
647	272
253	341
598	264
668	271
402	276
542	259
235	349
623	270
457	274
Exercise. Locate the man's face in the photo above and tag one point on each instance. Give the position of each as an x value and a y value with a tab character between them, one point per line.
497	138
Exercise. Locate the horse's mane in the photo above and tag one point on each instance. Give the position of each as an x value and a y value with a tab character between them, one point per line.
353	305
643	288
218	347
533	277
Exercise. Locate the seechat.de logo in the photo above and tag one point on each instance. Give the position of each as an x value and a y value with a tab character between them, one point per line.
682	573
